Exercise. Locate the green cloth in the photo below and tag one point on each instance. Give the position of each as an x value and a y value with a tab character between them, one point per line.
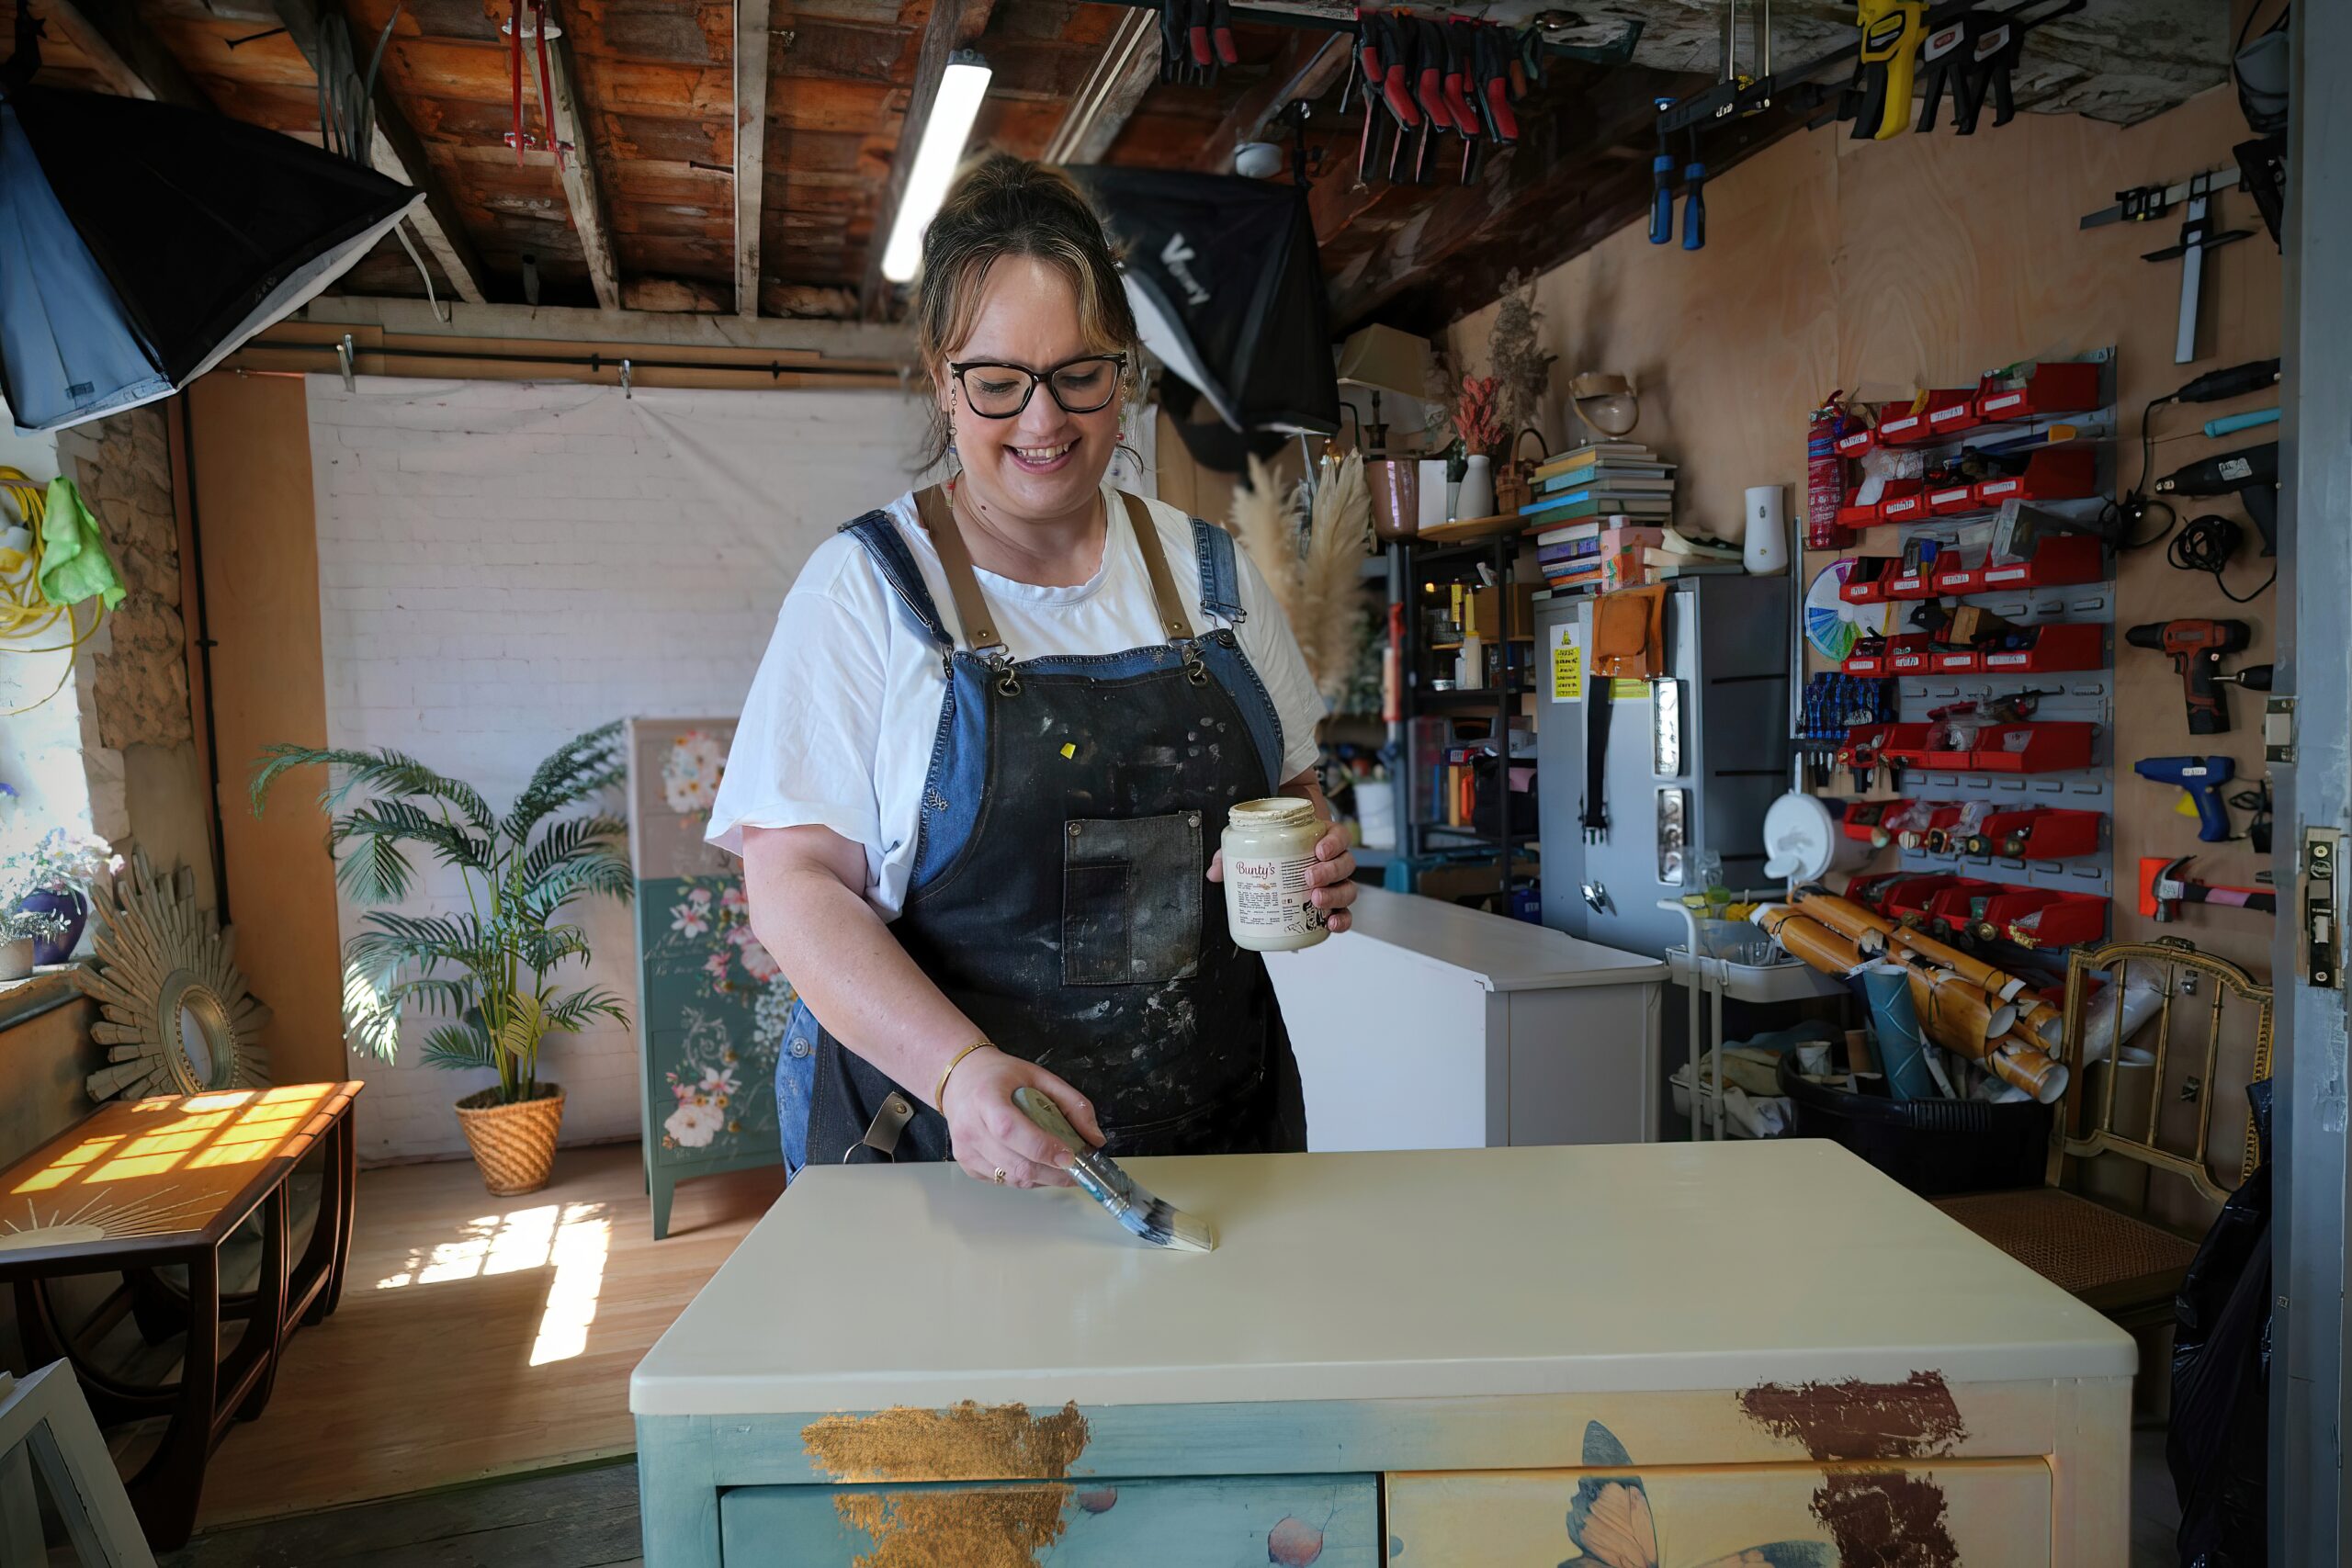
73	561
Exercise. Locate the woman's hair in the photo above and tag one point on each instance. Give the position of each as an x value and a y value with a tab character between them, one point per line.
1002	206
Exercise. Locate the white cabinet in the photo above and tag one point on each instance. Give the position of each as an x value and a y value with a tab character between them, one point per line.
1434	1026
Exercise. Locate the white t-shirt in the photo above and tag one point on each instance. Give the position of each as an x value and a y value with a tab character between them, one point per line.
839	726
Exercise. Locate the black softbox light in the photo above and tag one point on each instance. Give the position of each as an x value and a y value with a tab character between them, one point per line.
1227	289
140	243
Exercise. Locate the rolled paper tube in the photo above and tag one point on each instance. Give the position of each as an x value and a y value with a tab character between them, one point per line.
1814	943
1902	1049
2044	1022
1844	915
1956	1015
2033	1071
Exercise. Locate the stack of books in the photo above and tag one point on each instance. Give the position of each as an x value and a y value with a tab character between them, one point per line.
1603	518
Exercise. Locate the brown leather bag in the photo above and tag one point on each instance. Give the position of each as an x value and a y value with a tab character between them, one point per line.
1629	634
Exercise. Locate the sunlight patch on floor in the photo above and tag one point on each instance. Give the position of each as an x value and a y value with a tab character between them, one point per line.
572	1240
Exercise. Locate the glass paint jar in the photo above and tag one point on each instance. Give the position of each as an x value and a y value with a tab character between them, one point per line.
1268	856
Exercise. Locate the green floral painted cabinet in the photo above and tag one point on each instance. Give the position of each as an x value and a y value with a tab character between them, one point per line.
712	1009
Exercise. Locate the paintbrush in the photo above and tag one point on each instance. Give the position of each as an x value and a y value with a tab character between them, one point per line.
1156	1220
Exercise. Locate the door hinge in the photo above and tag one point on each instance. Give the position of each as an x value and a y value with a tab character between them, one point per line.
2279	729
2321	944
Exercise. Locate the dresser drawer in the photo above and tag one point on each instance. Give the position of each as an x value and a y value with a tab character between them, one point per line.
1954	1514
1330	1520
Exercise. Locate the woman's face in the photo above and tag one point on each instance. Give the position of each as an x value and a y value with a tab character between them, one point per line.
1044	462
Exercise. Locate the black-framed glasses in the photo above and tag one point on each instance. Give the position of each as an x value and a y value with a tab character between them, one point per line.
997	390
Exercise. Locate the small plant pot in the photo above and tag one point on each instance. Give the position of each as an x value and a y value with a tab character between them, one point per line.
512	1145
16	958
68	906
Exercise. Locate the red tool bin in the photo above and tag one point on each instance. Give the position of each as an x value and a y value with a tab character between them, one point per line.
1917	429
1856	442
1953	911
2065	472
1913	899
1957	661
1907	507
2060	560
1951	500
1917	586
2057	648
2037	916
2050	745
2068	388
1854	515
1864	819
1940	817
1907	654
2037	832
1905	745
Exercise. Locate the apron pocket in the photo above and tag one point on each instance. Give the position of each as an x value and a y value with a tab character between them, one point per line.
1131	899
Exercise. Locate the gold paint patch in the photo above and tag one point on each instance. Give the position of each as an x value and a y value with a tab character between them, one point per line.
1002	1527
968	1442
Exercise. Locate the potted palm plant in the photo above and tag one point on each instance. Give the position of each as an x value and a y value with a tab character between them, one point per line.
484	972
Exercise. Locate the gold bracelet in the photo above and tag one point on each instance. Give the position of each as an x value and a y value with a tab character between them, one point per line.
940	1097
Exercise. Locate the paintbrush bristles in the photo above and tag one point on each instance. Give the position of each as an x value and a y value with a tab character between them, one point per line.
1182	1230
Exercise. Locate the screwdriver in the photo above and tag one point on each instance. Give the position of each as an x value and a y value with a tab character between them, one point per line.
1662	183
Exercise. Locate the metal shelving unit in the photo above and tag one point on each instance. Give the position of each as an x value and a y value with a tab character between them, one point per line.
1410	563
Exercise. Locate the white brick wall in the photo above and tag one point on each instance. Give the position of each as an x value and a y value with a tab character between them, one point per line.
503	564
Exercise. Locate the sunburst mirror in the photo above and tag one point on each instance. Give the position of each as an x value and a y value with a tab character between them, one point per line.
178	1018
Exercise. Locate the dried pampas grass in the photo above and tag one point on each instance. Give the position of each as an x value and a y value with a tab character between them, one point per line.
1317	578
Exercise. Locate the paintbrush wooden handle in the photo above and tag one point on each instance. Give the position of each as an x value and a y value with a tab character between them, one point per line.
1048	1115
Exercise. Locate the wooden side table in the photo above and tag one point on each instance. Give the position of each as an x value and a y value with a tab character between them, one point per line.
144	1185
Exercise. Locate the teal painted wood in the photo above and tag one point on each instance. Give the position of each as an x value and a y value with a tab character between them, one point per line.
1345	1436
1332	1522
678	1495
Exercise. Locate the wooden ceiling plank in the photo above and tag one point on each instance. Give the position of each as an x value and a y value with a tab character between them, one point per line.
1107	100
124	52
581	188
750	147
952	23
397	152
1305	69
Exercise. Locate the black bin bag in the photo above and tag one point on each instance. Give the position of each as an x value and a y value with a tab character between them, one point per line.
2219	1450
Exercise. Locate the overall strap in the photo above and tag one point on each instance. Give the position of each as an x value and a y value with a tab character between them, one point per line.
1220	574
962	586
1170	608
879	536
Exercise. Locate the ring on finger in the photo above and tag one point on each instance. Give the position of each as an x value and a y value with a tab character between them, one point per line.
999	1176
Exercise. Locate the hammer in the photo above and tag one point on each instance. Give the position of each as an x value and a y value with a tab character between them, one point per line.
2163	890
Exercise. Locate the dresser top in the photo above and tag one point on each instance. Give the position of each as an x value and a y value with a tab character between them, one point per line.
1468	1272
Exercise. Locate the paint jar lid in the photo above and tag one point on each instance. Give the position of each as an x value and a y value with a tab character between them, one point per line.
1275	811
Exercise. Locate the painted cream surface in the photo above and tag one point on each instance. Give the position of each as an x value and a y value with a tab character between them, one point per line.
1364	1276
1503	955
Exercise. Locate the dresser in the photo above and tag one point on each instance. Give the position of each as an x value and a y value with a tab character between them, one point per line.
1418	1358
712	1005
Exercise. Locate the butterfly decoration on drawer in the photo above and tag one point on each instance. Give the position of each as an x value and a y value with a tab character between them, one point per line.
1611	1523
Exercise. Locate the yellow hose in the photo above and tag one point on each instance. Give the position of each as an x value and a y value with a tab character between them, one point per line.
24	612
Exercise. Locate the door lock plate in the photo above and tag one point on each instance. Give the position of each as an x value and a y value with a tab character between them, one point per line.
2317	908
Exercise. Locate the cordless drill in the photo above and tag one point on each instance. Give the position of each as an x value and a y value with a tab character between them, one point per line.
2197	648
2202	777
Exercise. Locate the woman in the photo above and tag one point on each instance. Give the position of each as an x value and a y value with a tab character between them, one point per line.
981	773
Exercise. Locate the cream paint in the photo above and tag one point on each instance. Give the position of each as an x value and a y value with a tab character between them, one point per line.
1269	853
1620	1268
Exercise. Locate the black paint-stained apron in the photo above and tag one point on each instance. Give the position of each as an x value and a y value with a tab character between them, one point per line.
1059	895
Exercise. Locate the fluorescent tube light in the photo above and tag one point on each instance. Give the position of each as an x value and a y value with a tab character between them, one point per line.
953	110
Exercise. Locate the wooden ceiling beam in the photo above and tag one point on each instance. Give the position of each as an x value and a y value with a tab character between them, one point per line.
952	25
1549	173
1305	69
124	51
750	147
590	220
396	152
1107	100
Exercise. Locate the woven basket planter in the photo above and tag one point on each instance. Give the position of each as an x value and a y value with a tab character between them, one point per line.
513	1144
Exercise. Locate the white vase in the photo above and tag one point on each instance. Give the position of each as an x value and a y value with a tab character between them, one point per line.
1435	493
1477	495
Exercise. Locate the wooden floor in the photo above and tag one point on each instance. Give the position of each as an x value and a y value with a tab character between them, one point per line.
479	1336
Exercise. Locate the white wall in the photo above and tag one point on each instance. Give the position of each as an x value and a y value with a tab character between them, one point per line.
503	564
